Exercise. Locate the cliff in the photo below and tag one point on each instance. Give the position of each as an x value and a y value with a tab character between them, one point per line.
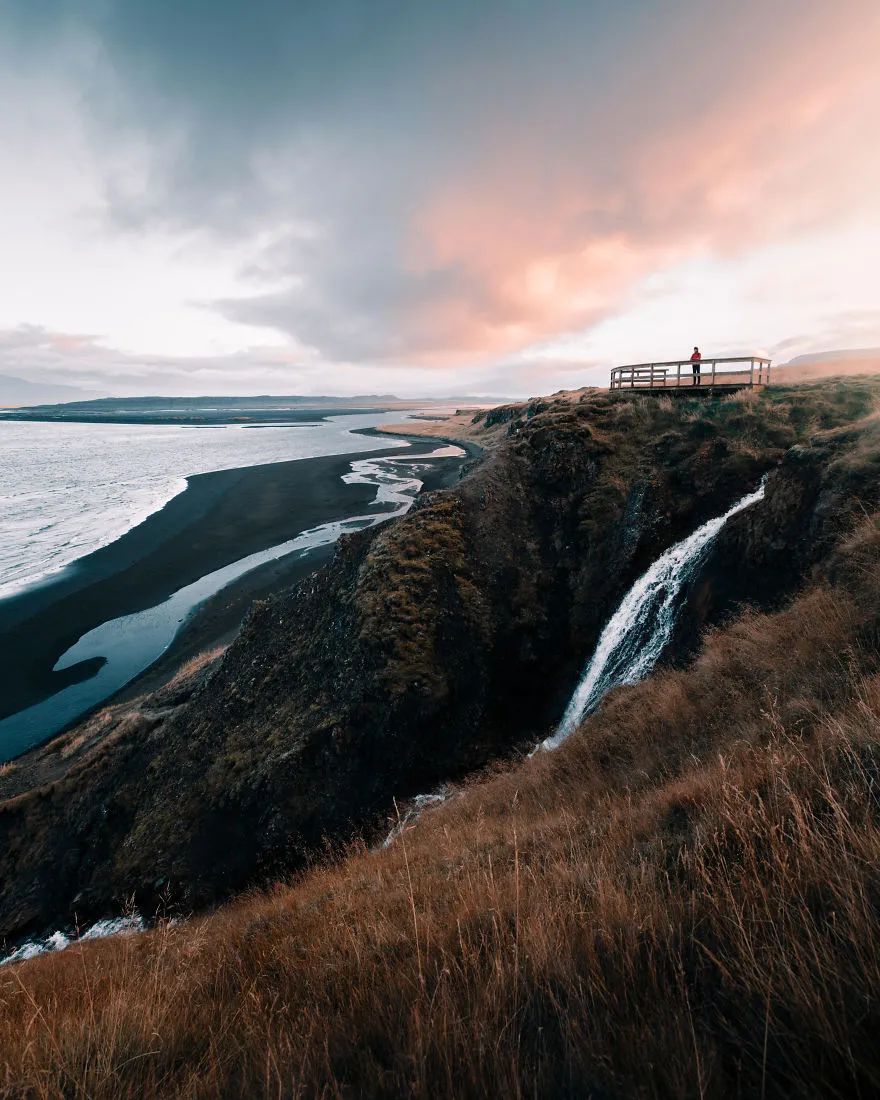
438	643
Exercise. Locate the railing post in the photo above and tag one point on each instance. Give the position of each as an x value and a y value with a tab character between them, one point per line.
678	377
751	373
713	373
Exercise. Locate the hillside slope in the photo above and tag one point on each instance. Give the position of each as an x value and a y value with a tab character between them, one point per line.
681	901
435	644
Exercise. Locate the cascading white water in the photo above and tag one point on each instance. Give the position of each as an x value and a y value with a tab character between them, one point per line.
639	630
58	941
416	808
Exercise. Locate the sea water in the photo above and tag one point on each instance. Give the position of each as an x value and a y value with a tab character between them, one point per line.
68	489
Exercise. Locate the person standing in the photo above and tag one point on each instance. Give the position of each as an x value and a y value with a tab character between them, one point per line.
695	365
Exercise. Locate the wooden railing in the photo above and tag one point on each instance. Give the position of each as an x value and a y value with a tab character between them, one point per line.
752	370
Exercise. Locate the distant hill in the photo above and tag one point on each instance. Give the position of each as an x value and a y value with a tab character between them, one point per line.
261	401
823	364
847	353
16	392
212	409
218	401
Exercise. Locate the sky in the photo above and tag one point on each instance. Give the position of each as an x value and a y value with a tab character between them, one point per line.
474	196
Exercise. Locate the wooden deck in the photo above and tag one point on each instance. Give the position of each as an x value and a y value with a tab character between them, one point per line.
677	376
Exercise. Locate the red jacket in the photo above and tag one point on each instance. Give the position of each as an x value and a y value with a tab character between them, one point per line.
696	357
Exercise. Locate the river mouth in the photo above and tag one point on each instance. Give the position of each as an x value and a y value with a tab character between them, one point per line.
109	656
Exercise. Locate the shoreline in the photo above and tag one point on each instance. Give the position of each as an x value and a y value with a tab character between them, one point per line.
220	518
216	622
418	438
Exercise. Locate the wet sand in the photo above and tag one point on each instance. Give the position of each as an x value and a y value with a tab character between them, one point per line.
220	518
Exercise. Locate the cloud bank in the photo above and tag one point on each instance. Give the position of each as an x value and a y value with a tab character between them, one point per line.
461	192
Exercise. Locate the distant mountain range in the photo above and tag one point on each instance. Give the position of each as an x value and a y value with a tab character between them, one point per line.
16	392
211	409
267	401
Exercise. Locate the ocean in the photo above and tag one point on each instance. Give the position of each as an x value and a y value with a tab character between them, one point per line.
67	489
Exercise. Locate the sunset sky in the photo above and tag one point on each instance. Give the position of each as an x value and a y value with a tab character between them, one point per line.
355	196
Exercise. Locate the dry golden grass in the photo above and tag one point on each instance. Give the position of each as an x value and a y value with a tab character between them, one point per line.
191	668
197	663
682	901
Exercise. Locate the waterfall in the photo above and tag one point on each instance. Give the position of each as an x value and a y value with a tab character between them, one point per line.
639	630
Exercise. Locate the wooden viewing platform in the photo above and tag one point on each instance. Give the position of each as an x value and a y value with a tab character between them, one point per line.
716	375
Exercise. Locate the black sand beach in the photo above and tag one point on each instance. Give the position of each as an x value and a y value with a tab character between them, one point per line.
217	621
221	517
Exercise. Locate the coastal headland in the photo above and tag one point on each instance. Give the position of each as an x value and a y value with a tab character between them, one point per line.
586	891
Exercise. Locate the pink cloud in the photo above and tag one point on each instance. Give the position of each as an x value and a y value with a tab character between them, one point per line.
547	237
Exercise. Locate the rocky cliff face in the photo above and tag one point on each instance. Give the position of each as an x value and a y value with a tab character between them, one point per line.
428	647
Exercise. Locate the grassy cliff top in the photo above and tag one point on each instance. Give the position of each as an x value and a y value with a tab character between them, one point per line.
681	901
